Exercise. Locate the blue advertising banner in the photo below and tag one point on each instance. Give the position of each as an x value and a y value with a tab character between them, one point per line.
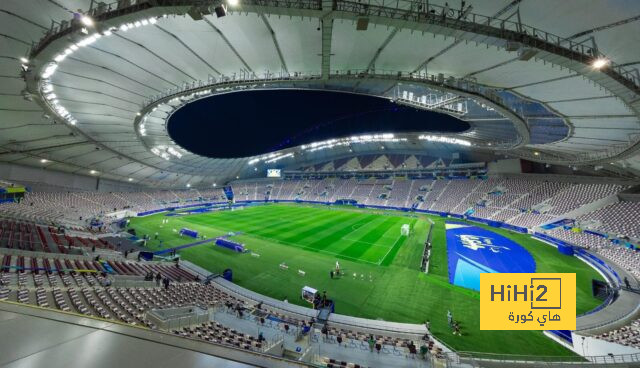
472	250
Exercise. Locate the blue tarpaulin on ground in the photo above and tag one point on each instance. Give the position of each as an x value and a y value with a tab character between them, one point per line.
472	250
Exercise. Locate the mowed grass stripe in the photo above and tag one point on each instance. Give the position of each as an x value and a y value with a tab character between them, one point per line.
337	234
278	231
249	225
246	221
366	242
255	216
363	230
299	225
316	229
306	233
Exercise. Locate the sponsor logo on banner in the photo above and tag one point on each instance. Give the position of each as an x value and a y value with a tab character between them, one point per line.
528	301
474	242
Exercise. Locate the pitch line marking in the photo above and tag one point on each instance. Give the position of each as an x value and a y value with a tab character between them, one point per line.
311	249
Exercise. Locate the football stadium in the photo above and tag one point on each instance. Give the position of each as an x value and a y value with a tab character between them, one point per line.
319	183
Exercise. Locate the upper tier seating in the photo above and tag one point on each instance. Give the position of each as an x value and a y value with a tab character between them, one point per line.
621	218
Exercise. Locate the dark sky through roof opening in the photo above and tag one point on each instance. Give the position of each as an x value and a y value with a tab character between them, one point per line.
250	123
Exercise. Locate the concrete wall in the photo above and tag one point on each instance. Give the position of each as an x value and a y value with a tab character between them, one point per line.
589	346
41	177
507	166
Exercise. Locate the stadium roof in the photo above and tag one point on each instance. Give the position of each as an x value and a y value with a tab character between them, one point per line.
93	95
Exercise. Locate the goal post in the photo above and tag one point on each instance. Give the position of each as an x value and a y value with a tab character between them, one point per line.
405	230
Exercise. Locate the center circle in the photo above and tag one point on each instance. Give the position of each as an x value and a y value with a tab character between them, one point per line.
250	123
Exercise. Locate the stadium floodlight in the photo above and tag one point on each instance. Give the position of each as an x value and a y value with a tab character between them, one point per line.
536	153
44	161
600	63
24	60
87	21
188	185
233	2
93	172
214	184
130	179
441	139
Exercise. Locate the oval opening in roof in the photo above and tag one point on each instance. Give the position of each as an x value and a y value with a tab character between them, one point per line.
249	123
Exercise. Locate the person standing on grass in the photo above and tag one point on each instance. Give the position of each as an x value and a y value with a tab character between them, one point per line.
337	268
331	273
449	318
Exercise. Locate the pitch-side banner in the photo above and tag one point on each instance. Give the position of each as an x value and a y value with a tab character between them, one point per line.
528	301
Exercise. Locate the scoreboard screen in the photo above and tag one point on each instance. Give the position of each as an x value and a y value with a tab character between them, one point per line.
273	173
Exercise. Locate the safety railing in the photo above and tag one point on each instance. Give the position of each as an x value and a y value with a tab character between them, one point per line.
477	359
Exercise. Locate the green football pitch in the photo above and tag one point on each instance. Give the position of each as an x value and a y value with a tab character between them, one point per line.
382	277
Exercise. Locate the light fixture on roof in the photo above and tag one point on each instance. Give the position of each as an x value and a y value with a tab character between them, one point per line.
237	177
44	161
130	179
24	60
233	2
600	63
138	114
188	185
93	172
214	184
536	153
87	21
